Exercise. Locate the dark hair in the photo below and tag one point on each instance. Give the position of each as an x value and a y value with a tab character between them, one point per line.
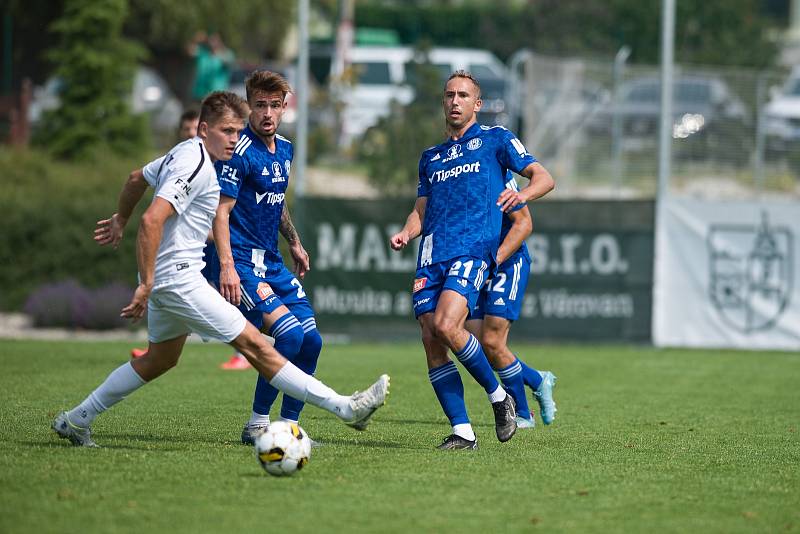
189	115
468	75
267	81
216	104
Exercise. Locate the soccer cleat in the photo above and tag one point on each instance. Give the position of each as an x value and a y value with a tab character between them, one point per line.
544	396
138	353
78	436
251	432
235	363
523	423
505	413
456	442
365	403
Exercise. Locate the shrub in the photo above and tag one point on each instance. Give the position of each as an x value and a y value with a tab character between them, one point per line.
67	304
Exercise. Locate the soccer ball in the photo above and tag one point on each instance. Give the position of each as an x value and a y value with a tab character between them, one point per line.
283	449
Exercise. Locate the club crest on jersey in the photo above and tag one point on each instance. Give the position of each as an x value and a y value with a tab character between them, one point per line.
474	144
264	290
419	283
452	153
276	168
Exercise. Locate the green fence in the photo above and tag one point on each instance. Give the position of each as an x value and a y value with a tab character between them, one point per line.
591	276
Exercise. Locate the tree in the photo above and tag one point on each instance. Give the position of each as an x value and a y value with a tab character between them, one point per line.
95	66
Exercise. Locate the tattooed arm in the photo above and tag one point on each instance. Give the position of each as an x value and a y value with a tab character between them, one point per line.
302	264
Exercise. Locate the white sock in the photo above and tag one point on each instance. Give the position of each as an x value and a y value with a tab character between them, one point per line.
256	419
295	421
465	431
120	383
295	383
497	395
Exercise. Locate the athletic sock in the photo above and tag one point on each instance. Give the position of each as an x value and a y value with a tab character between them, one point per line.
295	383
511	377
259	420
306	360
119	384
449	389
474	360
465	431
531	377
288	336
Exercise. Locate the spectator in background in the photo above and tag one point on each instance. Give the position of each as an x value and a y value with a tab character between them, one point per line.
187	127
213	62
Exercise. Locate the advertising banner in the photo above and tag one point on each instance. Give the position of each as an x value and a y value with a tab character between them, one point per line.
591	274
726	275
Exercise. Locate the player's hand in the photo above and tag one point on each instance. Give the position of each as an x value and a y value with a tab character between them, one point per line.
109	231
508	199
399	240
302	263
138	305
229	286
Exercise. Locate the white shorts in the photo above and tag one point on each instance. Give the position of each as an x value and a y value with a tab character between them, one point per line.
191	305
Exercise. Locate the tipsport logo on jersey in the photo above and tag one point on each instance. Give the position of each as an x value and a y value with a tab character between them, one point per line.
455	172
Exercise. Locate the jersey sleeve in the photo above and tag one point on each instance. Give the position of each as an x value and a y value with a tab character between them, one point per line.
512	153
150	171
424	185
178	173
230	174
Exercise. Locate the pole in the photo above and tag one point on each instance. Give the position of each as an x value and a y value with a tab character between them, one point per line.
301	156
616	119
667	75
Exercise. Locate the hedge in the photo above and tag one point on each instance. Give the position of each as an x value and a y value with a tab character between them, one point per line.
48	211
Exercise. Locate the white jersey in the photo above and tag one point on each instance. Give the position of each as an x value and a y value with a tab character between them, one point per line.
184	177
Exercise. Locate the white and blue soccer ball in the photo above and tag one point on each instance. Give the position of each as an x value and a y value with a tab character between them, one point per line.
283	449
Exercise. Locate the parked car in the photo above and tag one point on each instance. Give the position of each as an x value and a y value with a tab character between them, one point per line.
149	94
704	108
382	74
782	115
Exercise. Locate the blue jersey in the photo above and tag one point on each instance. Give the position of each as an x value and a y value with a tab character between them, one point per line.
462	180
257	179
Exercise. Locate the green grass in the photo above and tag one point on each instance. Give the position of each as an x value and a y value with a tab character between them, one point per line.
645	440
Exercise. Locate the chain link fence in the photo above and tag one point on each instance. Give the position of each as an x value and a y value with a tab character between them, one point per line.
595	125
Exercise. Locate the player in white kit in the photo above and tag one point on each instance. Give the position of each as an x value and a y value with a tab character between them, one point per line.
178	300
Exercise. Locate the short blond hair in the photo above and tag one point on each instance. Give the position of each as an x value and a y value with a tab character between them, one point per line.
461	73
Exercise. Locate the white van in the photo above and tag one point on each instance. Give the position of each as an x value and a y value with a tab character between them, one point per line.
382	76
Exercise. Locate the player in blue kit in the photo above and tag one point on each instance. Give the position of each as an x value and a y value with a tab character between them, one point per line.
251	213
458	213
499	304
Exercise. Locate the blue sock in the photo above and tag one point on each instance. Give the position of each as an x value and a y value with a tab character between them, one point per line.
530	376
449	390
511	377
288	336
474	360
306	360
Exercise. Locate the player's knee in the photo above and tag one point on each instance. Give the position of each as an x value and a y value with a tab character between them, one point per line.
290	341
312	343
444	328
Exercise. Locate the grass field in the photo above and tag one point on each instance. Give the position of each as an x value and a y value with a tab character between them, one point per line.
645	440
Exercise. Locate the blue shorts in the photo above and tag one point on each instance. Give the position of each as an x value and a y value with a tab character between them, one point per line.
262	295
463	274
502	295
